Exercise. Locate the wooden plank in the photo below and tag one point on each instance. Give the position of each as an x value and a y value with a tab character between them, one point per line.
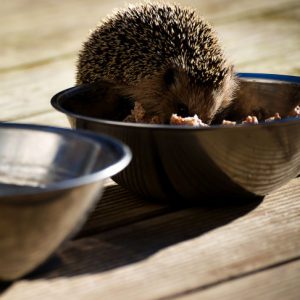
51	118
40	31
25	94
273	284
176	252
239	11
168	255
35	32
270	46
119	207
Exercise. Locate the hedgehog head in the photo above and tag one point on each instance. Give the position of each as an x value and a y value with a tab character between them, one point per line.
174	91
168	57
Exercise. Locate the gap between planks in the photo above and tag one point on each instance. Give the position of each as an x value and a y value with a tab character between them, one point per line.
276	283
271	46
24	45
25	94
173	253
118	207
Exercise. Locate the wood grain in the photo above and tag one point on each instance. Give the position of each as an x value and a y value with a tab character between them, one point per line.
130	249
27	93
273	284
259	36
175	253
34	32
50	118
119	207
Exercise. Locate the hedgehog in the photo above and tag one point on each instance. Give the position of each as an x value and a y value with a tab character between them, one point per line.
162	55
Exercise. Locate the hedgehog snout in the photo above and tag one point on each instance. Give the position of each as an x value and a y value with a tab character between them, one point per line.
184	96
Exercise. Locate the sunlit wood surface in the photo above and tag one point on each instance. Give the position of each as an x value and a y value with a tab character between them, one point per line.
131	249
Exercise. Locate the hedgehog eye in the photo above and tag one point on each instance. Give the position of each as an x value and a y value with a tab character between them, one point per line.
170	76
182	110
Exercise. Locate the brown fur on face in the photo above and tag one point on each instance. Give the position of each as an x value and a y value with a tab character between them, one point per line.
173	91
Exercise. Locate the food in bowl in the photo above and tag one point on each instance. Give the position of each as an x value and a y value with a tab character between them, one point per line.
190	121
138	115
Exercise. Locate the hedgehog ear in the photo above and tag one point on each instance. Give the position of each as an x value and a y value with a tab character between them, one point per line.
170	76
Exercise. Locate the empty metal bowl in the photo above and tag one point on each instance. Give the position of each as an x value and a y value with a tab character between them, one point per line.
201	164
50	179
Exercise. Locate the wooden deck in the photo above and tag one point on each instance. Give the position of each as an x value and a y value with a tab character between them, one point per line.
131	249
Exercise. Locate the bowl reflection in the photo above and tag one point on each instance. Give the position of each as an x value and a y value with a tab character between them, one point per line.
50	179
201	164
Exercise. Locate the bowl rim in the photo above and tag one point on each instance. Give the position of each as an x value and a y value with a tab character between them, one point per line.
121	160
55	102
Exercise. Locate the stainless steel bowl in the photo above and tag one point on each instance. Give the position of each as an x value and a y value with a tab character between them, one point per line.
50	179
201	164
